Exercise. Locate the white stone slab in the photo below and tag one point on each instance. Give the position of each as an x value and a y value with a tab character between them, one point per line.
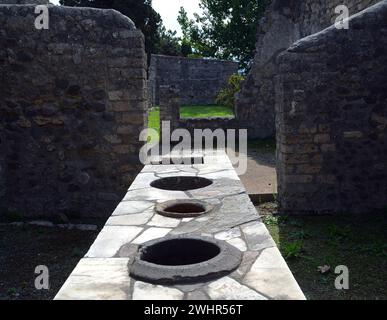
97	279
257	236
111	239
238	243
271	276
161	221
132	207
151	234
146	291
223	174
152	194
229	234
143	180
270	258
229	289
137	219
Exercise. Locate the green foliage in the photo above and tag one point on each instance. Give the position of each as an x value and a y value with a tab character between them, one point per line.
360	244
157	38
226	29
292	249
270	220
168	43
339	232
227	96
377	248
299	235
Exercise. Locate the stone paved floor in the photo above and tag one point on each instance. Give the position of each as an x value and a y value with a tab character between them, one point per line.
104	271
261	175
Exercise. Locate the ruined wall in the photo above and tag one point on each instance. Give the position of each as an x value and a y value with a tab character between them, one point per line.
331	109
285	22
170	111
72	104
199	80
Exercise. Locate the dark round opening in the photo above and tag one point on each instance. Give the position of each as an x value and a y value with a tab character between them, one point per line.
184	260
183	183
180	252
185	208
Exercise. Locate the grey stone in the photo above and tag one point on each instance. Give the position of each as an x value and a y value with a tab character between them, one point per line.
137	219
97	279
229	289
238	243
146	291
132	207
271	276
41	223
110	240
151	234
64	164
257	236
226	260
319	169
229	234
197	295
160	221
199	80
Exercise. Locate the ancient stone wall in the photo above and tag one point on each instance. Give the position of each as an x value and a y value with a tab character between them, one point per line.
332	118
170	111
199	80
285	22
72	104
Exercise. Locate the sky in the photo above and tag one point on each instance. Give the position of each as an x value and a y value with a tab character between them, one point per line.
169	9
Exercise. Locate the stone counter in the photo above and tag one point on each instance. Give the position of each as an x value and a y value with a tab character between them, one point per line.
263	274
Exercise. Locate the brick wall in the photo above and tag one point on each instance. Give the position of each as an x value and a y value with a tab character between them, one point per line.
199	80
72	105
331	106
285	22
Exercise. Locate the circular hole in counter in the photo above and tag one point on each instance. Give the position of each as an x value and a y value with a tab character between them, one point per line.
183	208
181	183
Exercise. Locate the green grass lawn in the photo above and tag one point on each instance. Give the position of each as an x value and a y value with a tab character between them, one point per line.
308	242
190	112
205	111
154	119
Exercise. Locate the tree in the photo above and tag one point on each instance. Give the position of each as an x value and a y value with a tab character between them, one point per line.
226	96
226	29
168	43
140	12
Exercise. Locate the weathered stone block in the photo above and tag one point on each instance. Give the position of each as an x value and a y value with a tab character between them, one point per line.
63	108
